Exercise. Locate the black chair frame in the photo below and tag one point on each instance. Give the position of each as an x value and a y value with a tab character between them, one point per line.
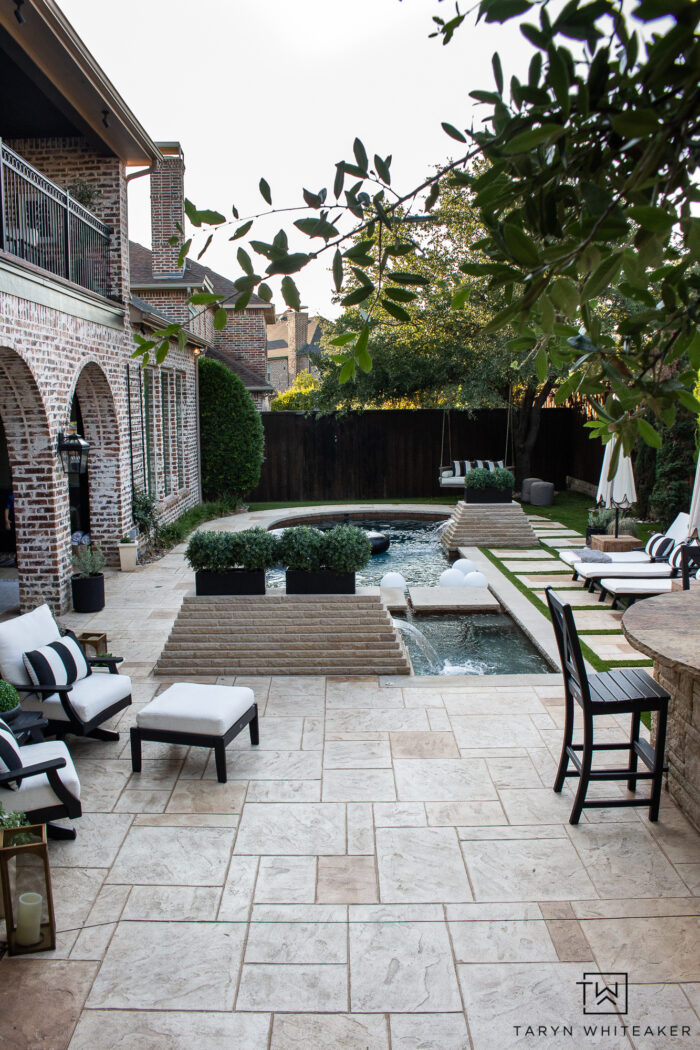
627	690
67	806
73	723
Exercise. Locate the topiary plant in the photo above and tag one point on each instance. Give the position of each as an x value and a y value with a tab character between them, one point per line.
346	549
483	478
231	432
257	549
9	697
210	552
626	527
301	547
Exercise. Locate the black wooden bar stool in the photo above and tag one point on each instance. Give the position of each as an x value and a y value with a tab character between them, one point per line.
627	690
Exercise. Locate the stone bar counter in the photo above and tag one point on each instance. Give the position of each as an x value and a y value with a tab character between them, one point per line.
667	629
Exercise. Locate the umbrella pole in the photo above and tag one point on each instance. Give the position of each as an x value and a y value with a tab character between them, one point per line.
617	521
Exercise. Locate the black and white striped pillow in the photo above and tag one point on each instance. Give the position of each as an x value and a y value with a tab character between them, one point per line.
60	663
659	546
10	756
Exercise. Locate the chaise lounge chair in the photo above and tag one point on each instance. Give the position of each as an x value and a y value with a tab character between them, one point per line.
633	589
658	546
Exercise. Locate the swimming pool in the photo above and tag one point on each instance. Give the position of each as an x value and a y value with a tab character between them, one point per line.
439	643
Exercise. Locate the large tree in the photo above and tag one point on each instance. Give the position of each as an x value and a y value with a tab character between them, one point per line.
589	185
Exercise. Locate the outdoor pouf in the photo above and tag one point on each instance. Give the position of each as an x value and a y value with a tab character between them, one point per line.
526	487
542	494
196	715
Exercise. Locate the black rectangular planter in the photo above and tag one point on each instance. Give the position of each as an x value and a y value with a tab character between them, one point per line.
299	581
235	581
488	495
594	530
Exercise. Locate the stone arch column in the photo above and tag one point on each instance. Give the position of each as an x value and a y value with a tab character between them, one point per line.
110	510
40	487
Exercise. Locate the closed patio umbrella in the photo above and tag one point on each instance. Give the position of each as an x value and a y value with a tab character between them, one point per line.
694	523
619	491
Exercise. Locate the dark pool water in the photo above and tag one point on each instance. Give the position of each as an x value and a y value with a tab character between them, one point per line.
451	643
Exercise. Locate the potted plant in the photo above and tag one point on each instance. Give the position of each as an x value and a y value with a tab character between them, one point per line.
489	486
598	520
128	553
9	701
324	562
88	582
231	562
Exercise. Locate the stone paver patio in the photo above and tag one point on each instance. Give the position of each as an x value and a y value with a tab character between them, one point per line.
389	870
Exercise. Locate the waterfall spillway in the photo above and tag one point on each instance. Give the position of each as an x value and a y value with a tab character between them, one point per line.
430	653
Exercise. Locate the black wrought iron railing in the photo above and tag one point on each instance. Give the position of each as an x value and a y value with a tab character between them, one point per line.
44	225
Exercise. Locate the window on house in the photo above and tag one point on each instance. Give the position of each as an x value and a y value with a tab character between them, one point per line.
179	427
150	430
166	411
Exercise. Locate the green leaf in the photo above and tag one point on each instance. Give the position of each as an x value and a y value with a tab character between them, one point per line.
347	372
244	261
361	352
688	401
358	296
265	193
648	434
204	298
557	76
564	295
184	251
529	140
541	363
344	339
402	277
314	200
461	296
602	277
206	245
220	320
502	10
290	293
197	218
655	219
242	230
567	388
399	295
520	246
636	123
382	169
694	351
265	292
360	156
339	179
338	270
291	264
497	71
452	131
396	311
242	302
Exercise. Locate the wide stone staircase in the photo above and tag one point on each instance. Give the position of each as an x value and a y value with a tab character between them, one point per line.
496	525
279	634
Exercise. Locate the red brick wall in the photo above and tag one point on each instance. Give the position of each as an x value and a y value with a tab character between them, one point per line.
167	213
245	338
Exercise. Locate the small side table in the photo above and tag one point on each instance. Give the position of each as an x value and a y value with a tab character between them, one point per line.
615	543
28	726
96	640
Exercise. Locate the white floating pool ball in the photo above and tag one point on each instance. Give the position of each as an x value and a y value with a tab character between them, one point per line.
476	579
393	579
452	578
464	566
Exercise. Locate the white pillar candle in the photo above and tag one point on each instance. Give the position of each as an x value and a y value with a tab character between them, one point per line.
29	919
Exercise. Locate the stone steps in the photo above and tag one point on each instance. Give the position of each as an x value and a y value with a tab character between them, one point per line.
488	525
283	634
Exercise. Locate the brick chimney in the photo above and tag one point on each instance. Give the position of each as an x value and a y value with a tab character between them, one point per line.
167	209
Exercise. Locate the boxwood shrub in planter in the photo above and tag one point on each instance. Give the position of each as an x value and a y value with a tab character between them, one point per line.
489	486
324	562
88	582
231	562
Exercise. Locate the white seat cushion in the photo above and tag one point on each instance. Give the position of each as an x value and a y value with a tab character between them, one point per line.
620	557
645	570
36	792
89	697
194	708
30	631
457	483
616	585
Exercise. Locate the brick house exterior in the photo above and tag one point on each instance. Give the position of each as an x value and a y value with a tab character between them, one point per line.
291	341
67	316
158	280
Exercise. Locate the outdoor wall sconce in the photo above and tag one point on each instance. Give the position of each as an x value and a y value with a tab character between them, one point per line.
73	453
27	900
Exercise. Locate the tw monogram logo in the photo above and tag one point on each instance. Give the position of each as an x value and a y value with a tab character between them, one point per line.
604	993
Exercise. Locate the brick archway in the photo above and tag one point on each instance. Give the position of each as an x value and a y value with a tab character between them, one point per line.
39	485
108	510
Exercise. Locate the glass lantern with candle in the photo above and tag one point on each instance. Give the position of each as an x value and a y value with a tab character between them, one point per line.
27	901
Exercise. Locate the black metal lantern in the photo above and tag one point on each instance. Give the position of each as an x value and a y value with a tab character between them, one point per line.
73	451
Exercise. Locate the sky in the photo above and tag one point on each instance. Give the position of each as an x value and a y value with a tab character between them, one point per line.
280	88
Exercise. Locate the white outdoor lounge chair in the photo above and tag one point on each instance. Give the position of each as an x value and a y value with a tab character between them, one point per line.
677	532
61	684
39	780
592	572
630	590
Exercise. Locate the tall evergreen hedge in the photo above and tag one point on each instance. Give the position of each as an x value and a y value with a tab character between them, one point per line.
231	434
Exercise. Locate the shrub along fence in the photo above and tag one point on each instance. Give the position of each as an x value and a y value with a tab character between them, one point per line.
393	454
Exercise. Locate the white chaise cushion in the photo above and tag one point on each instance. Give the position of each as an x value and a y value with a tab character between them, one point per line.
17	636
194	708
36	792
89	697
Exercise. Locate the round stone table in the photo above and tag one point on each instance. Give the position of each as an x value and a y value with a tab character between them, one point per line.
667	629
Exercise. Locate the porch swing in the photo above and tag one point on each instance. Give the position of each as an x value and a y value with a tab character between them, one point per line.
452	474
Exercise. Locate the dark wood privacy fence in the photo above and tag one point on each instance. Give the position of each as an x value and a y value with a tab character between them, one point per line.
394	454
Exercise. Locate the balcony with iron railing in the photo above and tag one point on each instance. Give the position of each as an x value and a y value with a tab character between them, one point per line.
45	226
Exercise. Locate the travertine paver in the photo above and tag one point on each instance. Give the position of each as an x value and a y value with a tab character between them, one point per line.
390	868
